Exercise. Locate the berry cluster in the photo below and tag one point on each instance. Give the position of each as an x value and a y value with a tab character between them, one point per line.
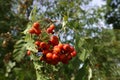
35	29
52	51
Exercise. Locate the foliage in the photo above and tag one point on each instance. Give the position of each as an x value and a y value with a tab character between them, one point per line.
12	22
97	47
112	14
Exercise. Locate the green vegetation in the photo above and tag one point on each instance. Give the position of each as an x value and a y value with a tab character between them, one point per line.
97	45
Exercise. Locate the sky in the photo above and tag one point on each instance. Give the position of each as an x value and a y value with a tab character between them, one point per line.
98	2
94	4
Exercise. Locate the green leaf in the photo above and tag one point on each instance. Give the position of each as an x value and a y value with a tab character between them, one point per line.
33	16
28	28
39	74
9	66
84	55
31	46
19	42
19	51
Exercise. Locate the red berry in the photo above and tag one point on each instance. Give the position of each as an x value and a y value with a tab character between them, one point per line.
49	30
71	49
28	52
43	45
56	50
37	43
45	52
66	47
62	57
55	57
52	26
38	32
69	57
73	54
54	40
49	56
39	49
60	45
36	25
31	31
47	46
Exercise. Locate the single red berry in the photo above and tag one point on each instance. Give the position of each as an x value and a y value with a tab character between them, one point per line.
49	56
31	31
43	45
37	43
60	45
55	57
36	25
38	32
49	30
71	49
52	26
54	40
28	52
73	54
66	47
56	50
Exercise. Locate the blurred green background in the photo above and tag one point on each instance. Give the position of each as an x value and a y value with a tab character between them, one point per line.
93	30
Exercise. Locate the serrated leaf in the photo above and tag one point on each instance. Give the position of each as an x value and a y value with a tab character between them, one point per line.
19	51
19	55
30	46
20	42
15	51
